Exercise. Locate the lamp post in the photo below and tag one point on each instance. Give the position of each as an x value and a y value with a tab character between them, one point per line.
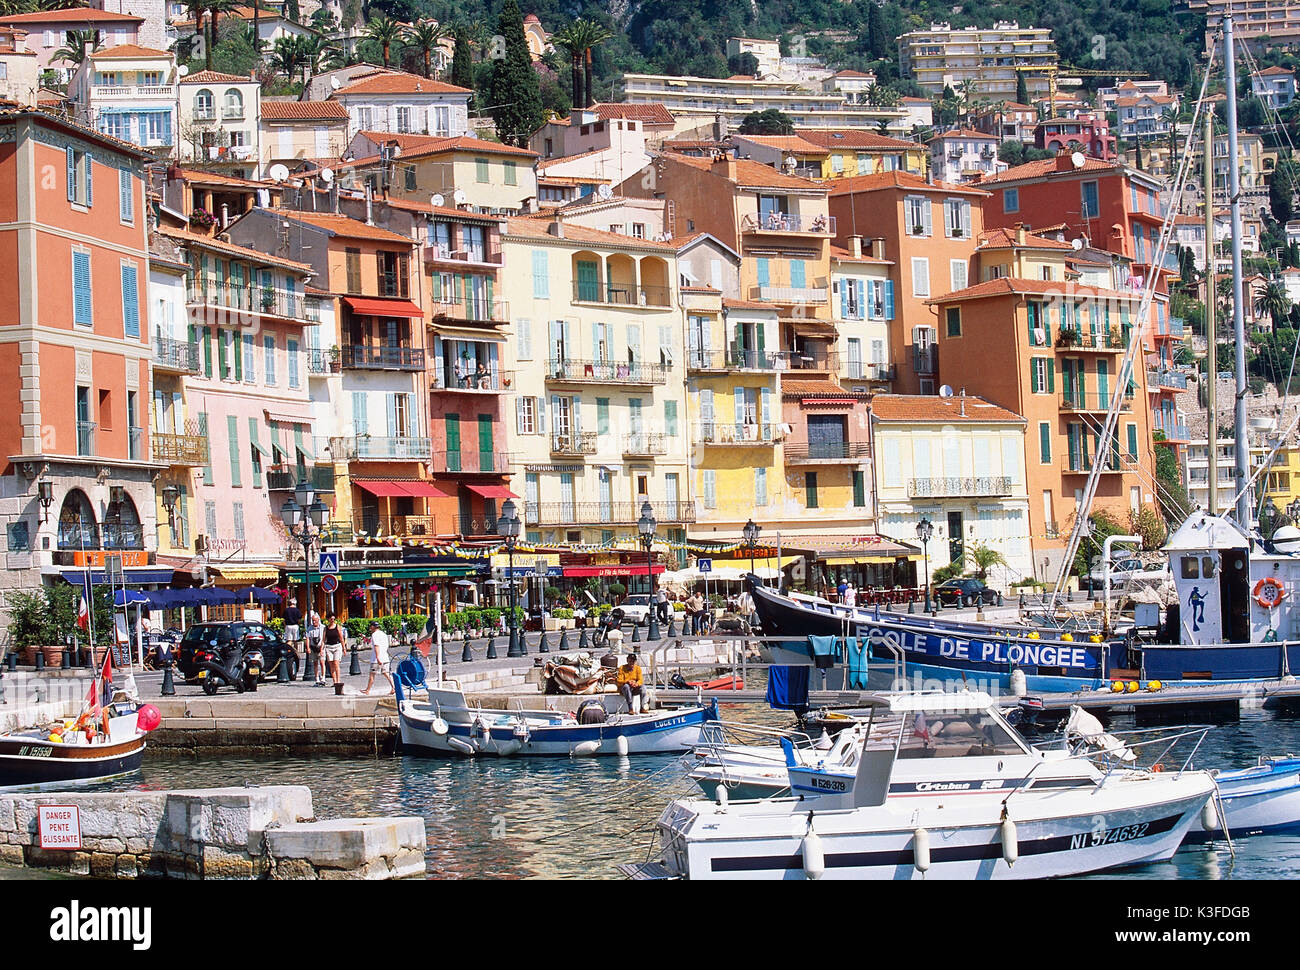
925	529
646	526
750	532
300	513
170	495
509	526
45	491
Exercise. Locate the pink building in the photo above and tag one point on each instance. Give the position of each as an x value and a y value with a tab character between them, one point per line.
47	31
1089	134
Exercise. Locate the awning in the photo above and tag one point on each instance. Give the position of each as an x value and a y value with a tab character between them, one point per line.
856	560
305	448
468	333
260	450
132	576
407	572
369	306
245	573
286	418
492	491
400	489
618	570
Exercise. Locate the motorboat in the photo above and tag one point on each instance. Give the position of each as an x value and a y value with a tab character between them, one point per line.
109	744
940	786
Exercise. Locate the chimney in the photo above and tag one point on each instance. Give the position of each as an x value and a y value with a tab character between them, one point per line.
878	247
370	211
556	228
1064	162
725	166
855	245
225	216
1020	233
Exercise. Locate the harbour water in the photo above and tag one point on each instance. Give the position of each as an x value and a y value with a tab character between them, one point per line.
571	819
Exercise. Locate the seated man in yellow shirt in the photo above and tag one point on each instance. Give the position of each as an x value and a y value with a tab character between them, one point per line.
631	684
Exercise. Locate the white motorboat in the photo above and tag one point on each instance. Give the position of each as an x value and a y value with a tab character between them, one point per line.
940	786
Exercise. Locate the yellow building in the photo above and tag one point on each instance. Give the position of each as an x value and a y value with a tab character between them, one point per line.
1281	484
854	151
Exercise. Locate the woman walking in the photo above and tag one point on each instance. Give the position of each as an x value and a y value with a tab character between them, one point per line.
336	640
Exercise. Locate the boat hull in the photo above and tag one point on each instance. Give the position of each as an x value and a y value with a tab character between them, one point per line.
33	763
1256	800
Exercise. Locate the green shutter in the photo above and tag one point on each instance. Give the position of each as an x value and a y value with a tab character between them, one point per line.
203	433
602	415
1051	376
232	426
207	351
452	422
1045	443
859	489
670	418
254	455
1133	441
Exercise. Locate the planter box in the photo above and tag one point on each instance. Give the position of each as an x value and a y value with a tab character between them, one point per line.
552	623
53	656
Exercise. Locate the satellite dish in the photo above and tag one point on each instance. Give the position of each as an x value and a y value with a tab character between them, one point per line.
791	163
1077	243
1078	160
327	175
605	192
279	172
182	71
945	391
437	201
334	83
1287	539
460	196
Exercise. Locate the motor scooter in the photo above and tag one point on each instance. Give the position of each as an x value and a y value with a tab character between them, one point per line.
231	670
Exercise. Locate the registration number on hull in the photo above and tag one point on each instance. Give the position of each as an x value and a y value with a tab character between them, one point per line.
34	751
1125	833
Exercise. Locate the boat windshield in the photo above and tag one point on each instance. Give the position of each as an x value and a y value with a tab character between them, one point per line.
964	734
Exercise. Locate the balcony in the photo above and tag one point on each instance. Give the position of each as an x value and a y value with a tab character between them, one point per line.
574	444
820	452
726	360
124	92
791	295
321	363
572	370
1082	464
1093	401
604	513
372	357
400	526
285	478
189	450
471	462
1166	380
858	371
978	487
786	222
472	311
232	113
926	359
487	381
623	294
475	525
1171	327
207	113
474	256
808	360
86	437
176	356
1102	340
744	435
270	301
396	449
638	445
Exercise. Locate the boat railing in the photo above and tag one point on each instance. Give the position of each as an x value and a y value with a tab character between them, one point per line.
1151	746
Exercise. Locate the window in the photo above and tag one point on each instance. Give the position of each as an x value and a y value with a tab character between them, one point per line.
130	300
859	488
508	169
953	317
82	313
408	172
365	119
917	214
79	165
268	359
293	363
810	487
232	425
1091	209
204	109
125	196
481	169
710	488
958	274
526	415
1042	375
1045	442
237	512
541	275
232	105
403	120
442	120
920	276
670	418
760	486
956	218
353	261
1010	200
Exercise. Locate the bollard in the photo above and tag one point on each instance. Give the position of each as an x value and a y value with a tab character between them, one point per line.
282	669
67	658
636	632
465	655
910	607
938	603
543	646
1069	596
1092	592
1022	599
564	639
309	667
672	629
354	668
11	661
582	639
492	649
523	643
168	684
999	599
40	659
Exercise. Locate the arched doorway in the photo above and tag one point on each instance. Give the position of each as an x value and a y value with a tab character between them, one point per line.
122	525
77	526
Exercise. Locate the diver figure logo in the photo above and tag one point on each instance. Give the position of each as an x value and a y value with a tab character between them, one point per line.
1196	602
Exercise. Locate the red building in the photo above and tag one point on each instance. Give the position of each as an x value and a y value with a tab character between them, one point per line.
1089	134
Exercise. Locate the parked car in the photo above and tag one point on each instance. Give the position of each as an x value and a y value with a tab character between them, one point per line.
218	635
1120	571
964	592
637	608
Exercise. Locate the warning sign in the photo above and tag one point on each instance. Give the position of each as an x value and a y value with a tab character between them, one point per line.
59	826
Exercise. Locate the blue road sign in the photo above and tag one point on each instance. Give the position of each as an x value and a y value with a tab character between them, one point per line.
705	565
329	563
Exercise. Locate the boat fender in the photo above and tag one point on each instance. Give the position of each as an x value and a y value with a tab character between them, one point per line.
461	745
56	737
620	745
1209	817
1132	687
439	727
1019	688
506	748
1010	842
921	850
814	858
722	795
824	743
584	749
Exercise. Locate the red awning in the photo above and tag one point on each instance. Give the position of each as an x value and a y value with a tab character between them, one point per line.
372	307
492	491
398	489
621	570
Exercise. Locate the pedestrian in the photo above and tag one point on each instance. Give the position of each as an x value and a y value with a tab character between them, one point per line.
695	608
292	625
315	641
336	640
661	600
850	596
378	641
841	589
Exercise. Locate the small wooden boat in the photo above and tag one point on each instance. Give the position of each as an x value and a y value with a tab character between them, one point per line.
39	759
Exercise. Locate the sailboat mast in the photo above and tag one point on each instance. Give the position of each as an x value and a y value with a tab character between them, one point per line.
1245	504
1212	348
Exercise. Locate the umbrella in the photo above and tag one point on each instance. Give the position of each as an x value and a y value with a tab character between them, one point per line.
462	582
129	597
258	593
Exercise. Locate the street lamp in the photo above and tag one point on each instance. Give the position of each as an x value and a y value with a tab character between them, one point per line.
300	513
750	532
925	529
509	527
646	526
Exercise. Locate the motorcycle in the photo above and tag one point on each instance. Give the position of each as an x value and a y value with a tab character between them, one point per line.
613	620
254	658
213	671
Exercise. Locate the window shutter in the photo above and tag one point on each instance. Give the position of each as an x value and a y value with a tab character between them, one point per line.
762	270
540	411
222	339
72	175
859	287
844	298
927	213
250	370
1045	443
519	416
760	486
126	200
670	418
889	299
359	423
235	348
739	397
766	416
81	295
524	331
254	455
90	167
232	428
575	405
1051	376
392	415
203	433
207	351
798	274
706	408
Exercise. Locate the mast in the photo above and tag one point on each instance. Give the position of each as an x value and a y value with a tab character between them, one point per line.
1212	349
1245	505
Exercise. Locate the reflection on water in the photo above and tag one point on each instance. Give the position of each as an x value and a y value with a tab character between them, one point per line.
561	818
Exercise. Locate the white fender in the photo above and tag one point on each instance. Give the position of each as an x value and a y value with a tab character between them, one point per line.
506	748
584	749
921	850
461	745
620	745
721	792
814	859
1209	816
1010	842
439	726
1018	686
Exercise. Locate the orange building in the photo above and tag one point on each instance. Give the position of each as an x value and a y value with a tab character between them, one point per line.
928	230
75	354
1030	339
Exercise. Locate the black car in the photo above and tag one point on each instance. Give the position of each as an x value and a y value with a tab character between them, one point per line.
964	592
219	635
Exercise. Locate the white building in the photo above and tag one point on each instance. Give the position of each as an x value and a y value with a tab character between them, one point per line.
1106	97
1146	116
858	285
766	52
405	104
990	59
19	77
1196	473
854	85
585	146
219	121
964	155
1276	85
128	92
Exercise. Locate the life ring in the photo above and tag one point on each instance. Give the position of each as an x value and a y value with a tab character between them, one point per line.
1275	597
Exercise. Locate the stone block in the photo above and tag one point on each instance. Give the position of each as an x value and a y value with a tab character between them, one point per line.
11	855
349	844
220	864
126	867
103	865
111	846
337	723
286	708
7	823
408	864
295	869
227	708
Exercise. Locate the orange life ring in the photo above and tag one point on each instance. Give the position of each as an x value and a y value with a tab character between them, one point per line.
1157	767
1271	601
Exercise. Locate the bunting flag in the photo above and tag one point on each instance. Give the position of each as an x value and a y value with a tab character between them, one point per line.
83	614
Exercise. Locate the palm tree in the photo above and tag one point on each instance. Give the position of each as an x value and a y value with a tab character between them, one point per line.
424	36
74	48
215	8
985	558
286	57
593	34
567	38
315	52
384	31
252	38
1273	301
579	37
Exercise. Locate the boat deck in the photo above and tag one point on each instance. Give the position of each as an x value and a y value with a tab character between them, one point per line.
1169	703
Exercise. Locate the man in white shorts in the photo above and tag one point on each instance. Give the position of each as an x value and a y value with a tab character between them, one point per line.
378	657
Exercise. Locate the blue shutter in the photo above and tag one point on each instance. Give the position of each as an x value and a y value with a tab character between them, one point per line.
72	175
130	302
889	299
762	269
541	280
798	274
860	291
844	298
126	200
81	305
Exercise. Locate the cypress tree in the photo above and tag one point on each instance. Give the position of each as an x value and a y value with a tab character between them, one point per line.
462	60
877	37
516	93
1022	89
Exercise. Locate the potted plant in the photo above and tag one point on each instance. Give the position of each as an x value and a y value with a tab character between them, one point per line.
918	230
268	298
202	218
334	353
1067	337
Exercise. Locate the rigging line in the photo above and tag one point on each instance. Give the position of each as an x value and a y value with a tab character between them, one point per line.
1268	461
1125	374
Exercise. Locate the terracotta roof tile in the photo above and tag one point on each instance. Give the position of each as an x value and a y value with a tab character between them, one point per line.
400	84
539	229
647	114
1008	285
212	178
852	138
898	180
785	143
930	408
70	15
303	111
963	133
748	173
437	146
1006	238
844	256
181	235
1047	166
127	50
797	388
747	304
344	226
216	77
